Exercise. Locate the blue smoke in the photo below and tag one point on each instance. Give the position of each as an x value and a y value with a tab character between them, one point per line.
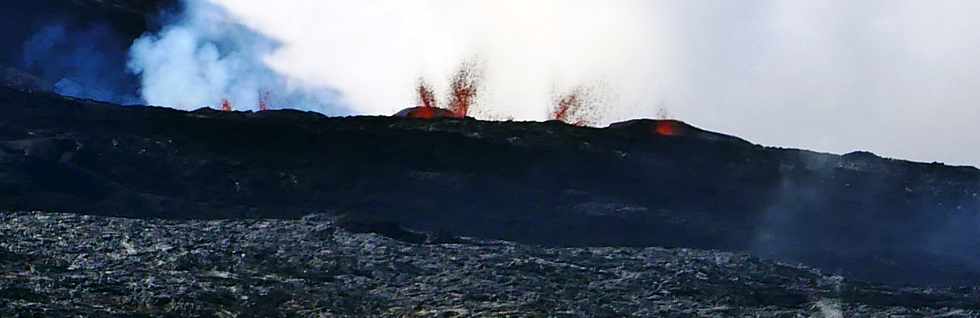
204	56
83	62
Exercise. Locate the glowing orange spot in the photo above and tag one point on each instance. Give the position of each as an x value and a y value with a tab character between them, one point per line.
668	128
576	107
424	112
427	99
226	105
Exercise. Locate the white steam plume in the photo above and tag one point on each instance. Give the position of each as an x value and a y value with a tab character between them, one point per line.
206	57
374	52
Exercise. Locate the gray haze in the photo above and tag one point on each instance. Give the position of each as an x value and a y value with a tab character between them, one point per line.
899	78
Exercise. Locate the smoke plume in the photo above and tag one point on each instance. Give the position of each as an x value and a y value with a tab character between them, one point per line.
206	58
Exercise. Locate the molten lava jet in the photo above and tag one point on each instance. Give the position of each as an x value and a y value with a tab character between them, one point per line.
575	107
428	108
226	105
564	106
464	89
426	97
427	102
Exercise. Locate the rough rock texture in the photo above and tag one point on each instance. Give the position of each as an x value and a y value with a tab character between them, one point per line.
859	215
73	265
22	81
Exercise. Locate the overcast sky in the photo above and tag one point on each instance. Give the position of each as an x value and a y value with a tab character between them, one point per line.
898	78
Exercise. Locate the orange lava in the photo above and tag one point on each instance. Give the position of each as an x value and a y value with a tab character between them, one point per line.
427	99
667	128
464	89
424	112
226	105
564	106
575	107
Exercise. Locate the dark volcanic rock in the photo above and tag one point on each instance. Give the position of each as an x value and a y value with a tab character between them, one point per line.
73	265
20	80
541	183
127	18
389	229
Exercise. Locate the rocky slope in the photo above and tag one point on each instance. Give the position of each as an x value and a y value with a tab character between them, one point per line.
73	265
541	183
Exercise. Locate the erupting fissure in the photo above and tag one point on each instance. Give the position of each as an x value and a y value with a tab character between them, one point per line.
565	104
426	97
427	101
263	104
575	107
578	106
226	105
668	128
464	88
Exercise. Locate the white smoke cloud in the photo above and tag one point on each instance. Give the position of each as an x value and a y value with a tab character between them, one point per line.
897	77
206	57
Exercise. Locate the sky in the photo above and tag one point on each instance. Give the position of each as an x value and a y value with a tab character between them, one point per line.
898	78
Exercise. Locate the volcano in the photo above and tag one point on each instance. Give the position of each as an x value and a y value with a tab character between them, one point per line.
544	183
137	210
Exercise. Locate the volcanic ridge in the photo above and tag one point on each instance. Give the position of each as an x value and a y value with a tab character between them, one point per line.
640	183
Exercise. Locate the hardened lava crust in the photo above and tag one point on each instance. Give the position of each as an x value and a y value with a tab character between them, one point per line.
60	265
